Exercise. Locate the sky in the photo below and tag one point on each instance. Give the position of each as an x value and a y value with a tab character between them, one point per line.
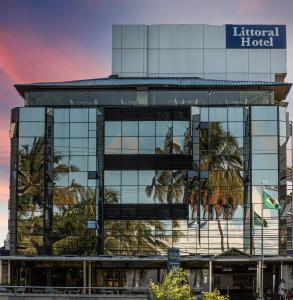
56	40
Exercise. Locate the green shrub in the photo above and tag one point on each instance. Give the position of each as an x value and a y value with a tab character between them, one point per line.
174	287
215	295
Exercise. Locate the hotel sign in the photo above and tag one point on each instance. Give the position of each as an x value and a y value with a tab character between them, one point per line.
256	36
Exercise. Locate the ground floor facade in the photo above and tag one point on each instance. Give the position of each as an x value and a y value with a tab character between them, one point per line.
238	276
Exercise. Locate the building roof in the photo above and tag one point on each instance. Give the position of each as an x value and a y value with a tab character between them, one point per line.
166	82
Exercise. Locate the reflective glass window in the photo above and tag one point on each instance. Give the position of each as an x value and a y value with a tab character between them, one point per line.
78	163
129	145
61	146
112	177
79	115
129	128
282	114
235	114
163	127
113	128
92	163
78	178
217	114
61	179
283	128
113	145
180	127
147	128
147	145
31	129
264	177
31	114
265	161
61	130
92	146
129	194
129	177
146	177
204	114
78	129
92	115
264	127
79	146
265	144
61	115
143	196
163	145
112	194
235	129
264	113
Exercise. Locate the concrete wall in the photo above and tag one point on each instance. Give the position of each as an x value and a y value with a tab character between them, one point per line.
189	50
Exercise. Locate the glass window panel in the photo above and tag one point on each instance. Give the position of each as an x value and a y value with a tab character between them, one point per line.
129	194
146	177
31	129
147	128
113	128
78	129
28	143
92	146
61	115
79	115
31	114
130	128
92	163
283	128
61	146
112	194
178	146
92	133
129	177
61	130
164	177
129	145
265	161
217	128
235	114
264	177
264	113
217	114
264	128
283	141
61	179
265	144
79	163
180	127
113	145
147	145
91	182
112	177
204	114
143	196
235	129
61	160
92	126
163	145
79	146
92	115
78	178
163	127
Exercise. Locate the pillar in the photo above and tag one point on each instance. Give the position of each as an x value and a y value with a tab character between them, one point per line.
90	277
1	272
210	275
281	271
84	277
9	272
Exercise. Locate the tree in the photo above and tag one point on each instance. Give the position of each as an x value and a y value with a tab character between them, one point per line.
174	287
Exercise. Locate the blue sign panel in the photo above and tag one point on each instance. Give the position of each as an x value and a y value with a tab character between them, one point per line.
256	36
173	258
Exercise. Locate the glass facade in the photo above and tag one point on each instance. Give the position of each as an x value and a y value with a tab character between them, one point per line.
92	181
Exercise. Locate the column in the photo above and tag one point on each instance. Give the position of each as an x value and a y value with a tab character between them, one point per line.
210	275
9	272
84	277
1	280
90	277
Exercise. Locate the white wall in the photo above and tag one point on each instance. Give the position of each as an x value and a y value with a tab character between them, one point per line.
189	50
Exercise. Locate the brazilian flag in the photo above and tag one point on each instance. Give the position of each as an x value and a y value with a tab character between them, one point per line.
269	202
259	221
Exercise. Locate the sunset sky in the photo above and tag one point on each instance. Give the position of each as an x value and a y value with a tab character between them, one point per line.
56	40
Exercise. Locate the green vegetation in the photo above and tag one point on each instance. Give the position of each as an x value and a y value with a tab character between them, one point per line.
174	287
215	295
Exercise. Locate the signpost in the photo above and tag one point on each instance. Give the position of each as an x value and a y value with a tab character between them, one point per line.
173	258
